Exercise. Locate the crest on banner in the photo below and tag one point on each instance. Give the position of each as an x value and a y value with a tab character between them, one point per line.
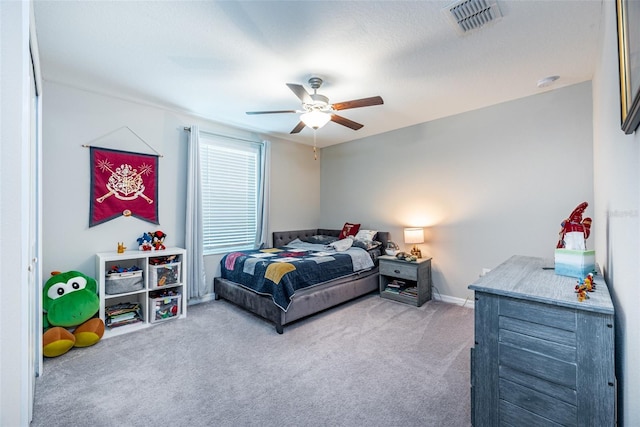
123	184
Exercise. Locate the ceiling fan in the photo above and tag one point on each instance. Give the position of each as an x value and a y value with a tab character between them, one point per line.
316	109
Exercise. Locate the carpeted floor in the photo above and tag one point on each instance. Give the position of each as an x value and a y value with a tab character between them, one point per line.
370	362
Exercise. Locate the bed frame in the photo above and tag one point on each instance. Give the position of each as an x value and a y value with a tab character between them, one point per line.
305	302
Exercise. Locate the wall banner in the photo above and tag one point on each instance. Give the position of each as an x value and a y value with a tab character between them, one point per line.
123	183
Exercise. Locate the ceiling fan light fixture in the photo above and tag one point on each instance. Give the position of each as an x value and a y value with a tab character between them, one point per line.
317	109
315	119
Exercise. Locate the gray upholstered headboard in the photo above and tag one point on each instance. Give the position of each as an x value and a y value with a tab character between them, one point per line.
281	238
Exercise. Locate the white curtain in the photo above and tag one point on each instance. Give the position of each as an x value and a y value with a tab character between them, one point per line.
196	278
263	219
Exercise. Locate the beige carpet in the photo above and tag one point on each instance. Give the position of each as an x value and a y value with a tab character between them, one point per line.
370	362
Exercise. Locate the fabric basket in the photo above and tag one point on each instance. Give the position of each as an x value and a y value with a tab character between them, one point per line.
119	283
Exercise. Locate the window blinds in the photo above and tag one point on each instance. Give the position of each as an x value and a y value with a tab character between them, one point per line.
230	173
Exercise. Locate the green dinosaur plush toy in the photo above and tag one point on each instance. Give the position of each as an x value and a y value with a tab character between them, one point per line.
70	300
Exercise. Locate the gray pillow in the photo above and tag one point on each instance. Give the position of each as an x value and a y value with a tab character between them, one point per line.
320	239
367	244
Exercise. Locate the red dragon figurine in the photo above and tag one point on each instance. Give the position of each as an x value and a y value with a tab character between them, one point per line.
575	224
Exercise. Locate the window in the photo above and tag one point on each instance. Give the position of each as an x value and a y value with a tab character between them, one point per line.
231	173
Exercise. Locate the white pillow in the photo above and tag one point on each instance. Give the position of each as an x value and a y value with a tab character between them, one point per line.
366	235
342	245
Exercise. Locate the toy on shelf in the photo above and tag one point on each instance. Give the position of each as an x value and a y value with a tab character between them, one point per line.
152	241
144	242
159	260
121	248
157	240
70	300
118	269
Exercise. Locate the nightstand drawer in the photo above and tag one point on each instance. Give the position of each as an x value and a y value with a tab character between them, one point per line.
399	269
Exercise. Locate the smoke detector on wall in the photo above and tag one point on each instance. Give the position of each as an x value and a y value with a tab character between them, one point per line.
468	15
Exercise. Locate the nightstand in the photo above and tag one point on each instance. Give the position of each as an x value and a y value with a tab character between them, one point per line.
405	281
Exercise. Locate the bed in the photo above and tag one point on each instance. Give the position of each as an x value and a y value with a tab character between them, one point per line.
306	300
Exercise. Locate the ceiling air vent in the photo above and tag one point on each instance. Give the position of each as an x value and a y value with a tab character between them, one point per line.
467	15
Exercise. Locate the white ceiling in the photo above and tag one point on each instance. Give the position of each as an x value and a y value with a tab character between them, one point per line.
219	59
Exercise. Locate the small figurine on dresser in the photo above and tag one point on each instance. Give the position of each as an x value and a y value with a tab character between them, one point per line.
584	286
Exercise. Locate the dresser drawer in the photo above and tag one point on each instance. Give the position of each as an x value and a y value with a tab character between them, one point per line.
528	407
544	314
538	365
400	270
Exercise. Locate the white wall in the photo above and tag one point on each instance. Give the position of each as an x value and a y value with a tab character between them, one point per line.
74	117
487	184
16	352
617	203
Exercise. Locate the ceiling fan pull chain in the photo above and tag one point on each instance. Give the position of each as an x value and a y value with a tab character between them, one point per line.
315	153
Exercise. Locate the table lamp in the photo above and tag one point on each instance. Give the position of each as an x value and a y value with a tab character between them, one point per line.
414	236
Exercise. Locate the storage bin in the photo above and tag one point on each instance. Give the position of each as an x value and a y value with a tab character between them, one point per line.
164	275
118	283
164	308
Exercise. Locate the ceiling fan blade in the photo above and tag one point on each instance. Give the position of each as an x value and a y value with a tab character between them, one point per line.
356	103
345	122
298	128
300	92
271	112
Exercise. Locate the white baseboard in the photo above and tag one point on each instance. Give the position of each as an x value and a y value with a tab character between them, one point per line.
204	298
468	302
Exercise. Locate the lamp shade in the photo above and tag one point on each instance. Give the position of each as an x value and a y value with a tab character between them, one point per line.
315	119
414	235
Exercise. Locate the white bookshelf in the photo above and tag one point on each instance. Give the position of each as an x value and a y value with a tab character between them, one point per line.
157	293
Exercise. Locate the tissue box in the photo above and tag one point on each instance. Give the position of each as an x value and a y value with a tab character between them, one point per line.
574	263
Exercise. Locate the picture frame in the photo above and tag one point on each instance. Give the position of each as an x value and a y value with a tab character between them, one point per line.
628	17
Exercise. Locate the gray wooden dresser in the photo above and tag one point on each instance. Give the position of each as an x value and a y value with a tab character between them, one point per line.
541	357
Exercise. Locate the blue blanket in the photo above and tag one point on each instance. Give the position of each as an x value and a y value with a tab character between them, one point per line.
280	272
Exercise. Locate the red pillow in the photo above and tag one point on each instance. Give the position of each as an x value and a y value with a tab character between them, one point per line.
349	230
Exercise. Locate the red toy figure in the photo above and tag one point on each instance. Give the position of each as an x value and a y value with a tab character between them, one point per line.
584	286
575	230
589	283
157	240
